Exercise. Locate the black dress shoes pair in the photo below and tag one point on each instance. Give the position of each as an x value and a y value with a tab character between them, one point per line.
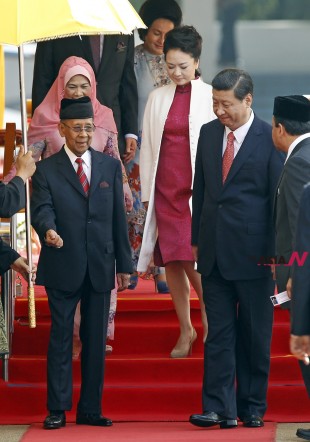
209	419
252	421
55	420
303	434
93	419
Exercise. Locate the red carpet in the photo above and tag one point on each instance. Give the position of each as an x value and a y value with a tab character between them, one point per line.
142	383
150	432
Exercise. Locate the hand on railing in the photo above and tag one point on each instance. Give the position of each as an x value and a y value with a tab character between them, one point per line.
21	266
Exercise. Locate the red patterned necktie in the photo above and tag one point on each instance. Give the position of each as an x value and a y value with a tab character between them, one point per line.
228	156
95	47
82	175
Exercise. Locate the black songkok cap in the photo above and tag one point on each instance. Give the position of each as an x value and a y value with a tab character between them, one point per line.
80	108
292	107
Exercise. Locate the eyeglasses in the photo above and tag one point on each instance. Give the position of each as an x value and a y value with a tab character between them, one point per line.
79	129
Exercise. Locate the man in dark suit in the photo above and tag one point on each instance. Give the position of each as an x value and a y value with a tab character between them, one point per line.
291	135
78	212
116	81
12	199
237	168
300	312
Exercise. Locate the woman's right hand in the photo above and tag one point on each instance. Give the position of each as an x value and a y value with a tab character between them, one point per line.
195	252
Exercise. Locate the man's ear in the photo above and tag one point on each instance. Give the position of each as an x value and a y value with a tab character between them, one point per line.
248	100
282	129
61	129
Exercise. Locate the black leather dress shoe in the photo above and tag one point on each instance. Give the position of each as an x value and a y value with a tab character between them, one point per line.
303	434
252	421
54	421
209	419
93	419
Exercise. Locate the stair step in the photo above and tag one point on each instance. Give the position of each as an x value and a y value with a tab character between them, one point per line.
142	382
25	403
125	371
135	337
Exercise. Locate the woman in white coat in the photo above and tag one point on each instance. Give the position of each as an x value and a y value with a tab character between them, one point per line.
173	117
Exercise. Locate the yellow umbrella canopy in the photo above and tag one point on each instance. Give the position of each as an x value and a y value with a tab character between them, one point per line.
24	21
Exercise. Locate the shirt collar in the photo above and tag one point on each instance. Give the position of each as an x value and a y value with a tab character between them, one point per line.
294	144
242	131
86	157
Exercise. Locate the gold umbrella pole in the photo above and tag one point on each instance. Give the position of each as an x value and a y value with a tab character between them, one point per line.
31	299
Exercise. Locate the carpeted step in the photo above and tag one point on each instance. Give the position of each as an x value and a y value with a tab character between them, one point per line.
151	432
25	403
147	335
122	370
128	301
142	382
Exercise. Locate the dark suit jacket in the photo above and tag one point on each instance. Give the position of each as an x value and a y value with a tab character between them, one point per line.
116	81
94	229
295	174
12	199
300	311
232	223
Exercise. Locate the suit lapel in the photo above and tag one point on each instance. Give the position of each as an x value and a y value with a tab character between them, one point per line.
88	54
96	170
109	47
248	146
275	199
218	158
67	170
299	146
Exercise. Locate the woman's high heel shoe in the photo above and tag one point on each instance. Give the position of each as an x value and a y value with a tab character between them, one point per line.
160	286
133	281
108	349
186	350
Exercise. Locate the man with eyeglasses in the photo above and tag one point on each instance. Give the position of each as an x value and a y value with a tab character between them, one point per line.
78	212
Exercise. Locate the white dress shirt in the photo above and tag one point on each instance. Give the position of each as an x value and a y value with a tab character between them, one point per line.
239	134
86	157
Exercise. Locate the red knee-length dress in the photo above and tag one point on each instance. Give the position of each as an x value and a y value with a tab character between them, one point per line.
173	184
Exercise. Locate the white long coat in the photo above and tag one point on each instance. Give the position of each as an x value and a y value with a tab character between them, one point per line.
155	115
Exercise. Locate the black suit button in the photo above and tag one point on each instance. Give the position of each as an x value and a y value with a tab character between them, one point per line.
89	220
220	206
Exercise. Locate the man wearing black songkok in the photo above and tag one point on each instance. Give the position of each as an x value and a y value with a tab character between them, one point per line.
291	135
78	212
